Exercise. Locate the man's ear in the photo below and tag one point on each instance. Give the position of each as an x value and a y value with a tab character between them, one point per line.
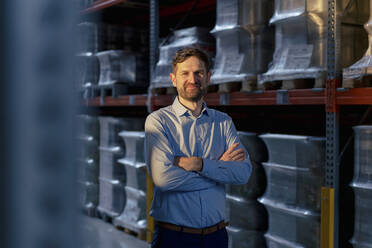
209	77
173	79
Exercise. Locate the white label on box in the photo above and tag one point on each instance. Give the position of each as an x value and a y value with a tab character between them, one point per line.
299	57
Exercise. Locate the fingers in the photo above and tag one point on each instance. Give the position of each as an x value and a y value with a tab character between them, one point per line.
232	148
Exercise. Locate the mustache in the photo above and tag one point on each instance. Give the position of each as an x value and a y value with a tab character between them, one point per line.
193	84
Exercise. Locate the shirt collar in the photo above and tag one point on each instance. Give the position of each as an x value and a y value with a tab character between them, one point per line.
180	110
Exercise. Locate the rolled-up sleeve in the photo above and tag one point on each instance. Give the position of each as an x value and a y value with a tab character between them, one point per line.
159	160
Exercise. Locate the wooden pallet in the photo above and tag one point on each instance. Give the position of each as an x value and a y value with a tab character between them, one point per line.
229	87
365	81
299	83
104	216
139	234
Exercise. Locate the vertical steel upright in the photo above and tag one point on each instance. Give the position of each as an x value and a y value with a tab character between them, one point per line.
39	119
330	191
154	51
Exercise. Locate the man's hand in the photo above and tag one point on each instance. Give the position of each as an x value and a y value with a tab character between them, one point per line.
189	164
233	155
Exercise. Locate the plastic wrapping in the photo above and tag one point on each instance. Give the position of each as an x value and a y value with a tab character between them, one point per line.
135	173
88	125
363	66
88	195
135	146
244	41
109	167
118	66
110	127
294	187
294	226
195	36
87	147
112	197
88	37
134	215
301	38
240	238
254	188
295	150
254	145
363	154
88	170
87	69
246	214
363	221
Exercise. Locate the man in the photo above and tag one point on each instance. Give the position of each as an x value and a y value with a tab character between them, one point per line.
191	153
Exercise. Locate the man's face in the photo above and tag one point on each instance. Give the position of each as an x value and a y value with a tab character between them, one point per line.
191	79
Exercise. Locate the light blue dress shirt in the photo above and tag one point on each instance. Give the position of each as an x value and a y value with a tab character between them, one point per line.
186	198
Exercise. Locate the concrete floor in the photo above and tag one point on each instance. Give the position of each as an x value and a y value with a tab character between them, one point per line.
98	234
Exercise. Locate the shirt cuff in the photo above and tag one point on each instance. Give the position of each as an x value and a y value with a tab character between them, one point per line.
207	167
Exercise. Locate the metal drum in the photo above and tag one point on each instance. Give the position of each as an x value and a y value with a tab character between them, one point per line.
301	38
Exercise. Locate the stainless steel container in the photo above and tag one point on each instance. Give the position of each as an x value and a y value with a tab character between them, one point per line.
244	40
295	173
363	66
363	221
118	66
301	38
112	198
189	37
291	227
295	150
239	238
362	186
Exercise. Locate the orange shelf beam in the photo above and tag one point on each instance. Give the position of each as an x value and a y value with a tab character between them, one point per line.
355	96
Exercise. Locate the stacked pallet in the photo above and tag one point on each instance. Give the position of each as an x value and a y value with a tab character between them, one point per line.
133	217
295	172
362	186
112	60
248	217
300	57
189	37
112	176
88	163
359	74
244	43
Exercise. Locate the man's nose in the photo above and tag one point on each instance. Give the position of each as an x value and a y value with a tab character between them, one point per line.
193	78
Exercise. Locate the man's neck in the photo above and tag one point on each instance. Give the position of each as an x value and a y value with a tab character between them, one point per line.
194	107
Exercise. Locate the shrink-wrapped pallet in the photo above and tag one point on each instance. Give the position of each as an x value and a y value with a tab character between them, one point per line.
248	217
363	67
109	166
290	226
244	41
295	174
112	198
189	37
133	216
362	187
301	38
88	162
118	66
87	68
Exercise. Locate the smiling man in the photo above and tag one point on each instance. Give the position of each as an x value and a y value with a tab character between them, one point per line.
192	151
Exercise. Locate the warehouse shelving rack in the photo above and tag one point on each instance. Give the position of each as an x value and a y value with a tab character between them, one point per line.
332	98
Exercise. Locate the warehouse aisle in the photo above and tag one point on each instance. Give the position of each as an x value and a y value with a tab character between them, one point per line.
98	234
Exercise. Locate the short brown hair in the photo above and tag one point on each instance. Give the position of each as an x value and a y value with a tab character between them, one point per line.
186	52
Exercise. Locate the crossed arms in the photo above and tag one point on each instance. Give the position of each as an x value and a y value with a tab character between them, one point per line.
173	173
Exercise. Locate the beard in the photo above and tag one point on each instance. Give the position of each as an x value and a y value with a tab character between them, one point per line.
193	95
